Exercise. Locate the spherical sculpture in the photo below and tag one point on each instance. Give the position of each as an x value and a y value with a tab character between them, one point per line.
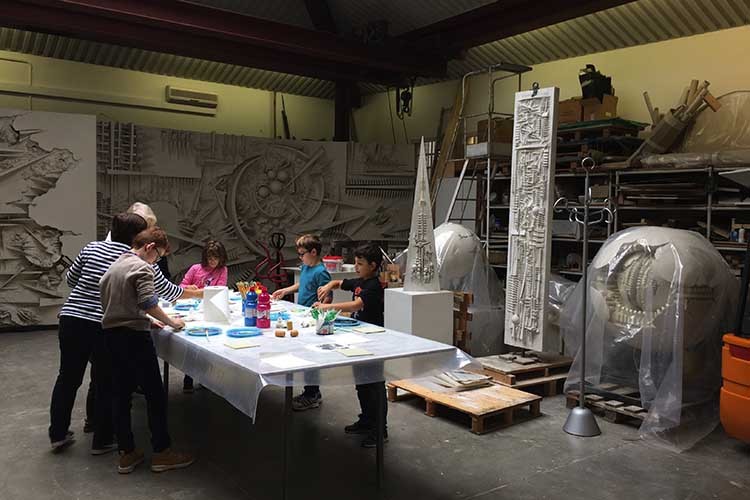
456	248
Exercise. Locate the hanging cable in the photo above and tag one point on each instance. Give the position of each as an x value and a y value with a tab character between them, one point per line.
390	113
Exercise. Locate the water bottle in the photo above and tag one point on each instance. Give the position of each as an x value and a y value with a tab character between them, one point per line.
251	308
264	309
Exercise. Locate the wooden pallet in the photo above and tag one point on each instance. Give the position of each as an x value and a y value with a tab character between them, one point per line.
545	374
489	408
461	318
611	409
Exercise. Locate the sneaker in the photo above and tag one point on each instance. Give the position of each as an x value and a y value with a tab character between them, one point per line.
306	402
371	441
128	461
358	427
88	427
58	446
169	460
103	450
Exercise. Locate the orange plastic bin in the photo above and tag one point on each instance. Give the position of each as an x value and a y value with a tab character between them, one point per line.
735	391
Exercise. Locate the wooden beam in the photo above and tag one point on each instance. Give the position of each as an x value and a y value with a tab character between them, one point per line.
498	20
183	28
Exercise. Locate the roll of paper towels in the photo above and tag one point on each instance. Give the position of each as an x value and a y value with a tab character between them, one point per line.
216	304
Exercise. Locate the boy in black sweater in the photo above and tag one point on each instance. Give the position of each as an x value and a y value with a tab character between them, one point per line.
366	305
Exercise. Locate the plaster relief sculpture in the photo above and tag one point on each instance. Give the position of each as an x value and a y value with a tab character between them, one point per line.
240	190
533	171
421	263
43	156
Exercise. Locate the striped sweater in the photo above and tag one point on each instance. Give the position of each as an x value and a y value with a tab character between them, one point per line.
83	278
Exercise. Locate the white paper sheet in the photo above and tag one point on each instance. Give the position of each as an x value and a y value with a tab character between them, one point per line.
349	338
286	361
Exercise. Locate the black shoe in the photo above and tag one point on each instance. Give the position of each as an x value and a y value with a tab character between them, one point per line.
187	386
371	441
88	427
358	427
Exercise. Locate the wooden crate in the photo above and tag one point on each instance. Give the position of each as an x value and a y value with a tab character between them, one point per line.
489	408
546	374
611	409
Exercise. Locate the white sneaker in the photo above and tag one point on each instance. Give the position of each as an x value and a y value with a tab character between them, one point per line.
58	446
107	448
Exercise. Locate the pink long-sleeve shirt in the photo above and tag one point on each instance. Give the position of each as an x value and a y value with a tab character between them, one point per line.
205	276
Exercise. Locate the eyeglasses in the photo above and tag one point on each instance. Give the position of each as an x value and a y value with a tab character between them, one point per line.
160	254
302	254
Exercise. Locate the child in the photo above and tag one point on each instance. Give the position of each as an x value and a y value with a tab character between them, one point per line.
212	271
127	296
366	305
312	276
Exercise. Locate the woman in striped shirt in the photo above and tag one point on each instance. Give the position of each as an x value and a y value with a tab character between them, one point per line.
80	339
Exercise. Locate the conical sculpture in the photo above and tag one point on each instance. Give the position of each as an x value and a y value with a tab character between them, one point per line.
421	262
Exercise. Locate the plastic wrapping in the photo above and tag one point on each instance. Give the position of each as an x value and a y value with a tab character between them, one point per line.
463	267
727	128
723	159
239	375
559	290
659	301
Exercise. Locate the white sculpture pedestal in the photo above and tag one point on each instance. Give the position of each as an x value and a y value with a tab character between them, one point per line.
424	314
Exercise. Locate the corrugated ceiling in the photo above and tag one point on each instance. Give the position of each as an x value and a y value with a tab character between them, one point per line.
637	23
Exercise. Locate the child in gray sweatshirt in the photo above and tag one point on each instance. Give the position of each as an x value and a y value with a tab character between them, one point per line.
128	299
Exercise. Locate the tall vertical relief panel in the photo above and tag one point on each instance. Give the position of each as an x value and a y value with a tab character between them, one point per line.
47	210
529	241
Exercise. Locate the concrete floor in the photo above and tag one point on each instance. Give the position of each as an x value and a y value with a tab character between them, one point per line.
430	458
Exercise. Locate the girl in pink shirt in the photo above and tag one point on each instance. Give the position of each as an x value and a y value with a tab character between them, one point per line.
212	271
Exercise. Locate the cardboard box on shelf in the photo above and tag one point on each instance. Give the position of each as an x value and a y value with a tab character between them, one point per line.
502	130
595	110
569	110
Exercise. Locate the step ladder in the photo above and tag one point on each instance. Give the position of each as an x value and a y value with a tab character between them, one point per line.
482	166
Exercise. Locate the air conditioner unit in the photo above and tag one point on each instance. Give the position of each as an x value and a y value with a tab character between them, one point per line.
191	97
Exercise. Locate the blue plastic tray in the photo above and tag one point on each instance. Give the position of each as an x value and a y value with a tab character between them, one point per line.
249	331
344	322
202	331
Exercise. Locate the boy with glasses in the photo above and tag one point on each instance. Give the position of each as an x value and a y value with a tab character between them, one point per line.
313	275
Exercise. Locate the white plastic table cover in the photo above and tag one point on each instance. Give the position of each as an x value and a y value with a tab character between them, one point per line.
239	375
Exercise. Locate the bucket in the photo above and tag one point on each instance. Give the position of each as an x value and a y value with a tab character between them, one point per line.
333	263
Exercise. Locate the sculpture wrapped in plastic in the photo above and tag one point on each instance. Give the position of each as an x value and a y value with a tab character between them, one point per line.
659	301
463	267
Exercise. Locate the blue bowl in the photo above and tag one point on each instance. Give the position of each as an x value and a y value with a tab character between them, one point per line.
202	331
240	333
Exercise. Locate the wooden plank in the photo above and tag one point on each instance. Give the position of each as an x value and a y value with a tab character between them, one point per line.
448	142
478	402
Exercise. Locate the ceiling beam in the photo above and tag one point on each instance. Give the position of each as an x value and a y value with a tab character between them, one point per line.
186	29
320	15
498	20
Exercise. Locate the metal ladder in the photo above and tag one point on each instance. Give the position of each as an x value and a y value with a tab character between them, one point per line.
489	171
